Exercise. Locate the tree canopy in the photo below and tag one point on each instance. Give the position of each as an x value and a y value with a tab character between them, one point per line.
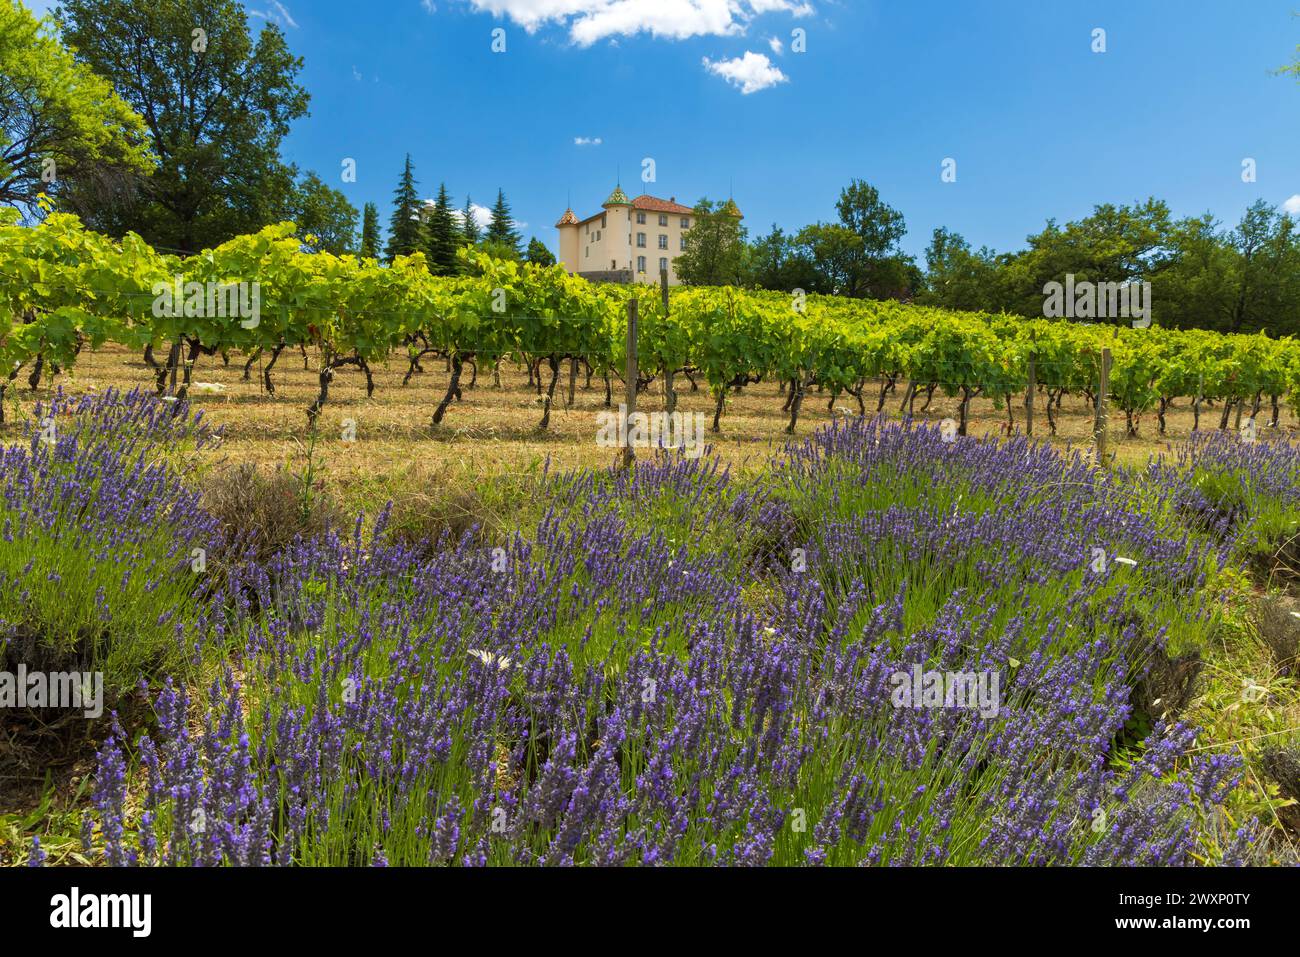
59	120
216	105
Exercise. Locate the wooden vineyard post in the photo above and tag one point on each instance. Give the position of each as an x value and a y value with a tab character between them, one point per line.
631	372
1029	397
670	395
1103	408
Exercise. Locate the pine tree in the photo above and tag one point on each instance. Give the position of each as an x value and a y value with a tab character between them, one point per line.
404	228
501	228
442	236
469	228
370	232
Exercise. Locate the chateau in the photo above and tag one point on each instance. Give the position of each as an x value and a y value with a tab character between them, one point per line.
630	240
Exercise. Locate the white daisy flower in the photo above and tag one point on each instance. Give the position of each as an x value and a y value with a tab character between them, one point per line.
489	659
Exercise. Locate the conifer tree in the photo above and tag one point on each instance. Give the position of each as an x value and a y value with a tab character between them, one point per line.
469	228
370	232
404	228
501	228
442	236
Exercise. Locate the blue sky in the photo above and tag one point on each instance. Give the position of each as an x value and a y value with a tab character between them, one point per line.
1039	125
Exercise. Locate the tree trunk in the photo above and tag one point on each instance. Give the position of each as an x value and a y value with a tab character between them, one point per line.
554	363
266	373
452	389
797	388
326	376
188	374
908	396
168	368
1227	409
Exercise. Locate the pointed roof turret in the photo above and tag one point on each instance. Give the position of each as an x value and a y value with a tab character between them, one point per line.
568	219
617	198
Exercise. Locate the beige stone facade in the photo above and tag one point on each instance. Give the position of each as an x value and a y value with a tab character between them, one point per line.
630	239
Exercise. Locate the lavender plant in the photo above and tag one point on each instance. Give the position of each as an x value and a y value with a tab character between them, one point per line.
672	669
99	530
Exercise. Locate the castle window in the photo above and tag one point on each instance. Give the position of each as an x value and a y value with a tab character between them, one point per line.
640	240
640	264
640	219
686	222
663	219
663	240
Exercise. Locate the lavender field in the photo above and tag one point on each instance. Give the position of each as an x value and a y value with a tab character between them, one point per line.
888	648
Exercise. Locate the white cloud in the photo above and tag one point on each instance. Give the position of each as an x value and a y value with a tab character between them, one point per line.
482	214
278	14
777	46
782	6
1292	205
356	74
429	6
586	141
751	72
589	21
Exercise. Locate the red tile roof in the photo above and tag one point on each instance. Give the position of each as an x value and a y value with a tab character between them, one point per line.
644	201
658	205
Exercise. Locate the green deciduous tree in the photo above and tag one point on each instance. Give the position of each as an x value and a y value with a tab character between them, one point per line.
216	105
958	277
715	250
1246	279
875	267
538	253
835	255
59	121
1112	244
776	261
324	214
